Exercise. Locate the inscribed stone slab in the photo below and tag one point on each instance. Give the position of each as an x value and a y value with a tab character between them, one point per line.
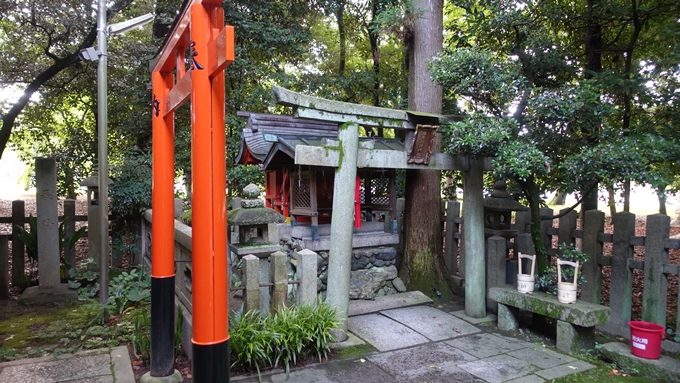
432	323
564	370
497	369
527	379
307	375
542	357
445	373
384	333
59	370
485	345
432	359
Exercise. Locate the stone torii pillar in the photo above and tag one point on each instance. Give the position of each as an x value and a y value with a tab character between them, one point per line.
473	238
340	253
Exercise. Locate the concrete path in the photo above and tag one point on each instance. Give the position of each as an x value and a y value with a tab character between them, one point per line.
94	366
427	344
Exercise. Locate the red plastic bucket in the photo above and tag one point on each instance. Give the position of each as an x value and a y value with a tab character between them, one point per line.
645	339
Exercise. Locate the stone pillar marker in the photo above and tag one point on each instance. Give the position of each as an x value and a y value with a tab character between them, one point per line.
48	225
70	230
307	269
473	239
340	253
49	289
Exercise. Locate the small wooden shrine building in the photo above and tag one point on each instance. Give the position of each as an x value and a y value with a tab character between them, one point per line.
304	194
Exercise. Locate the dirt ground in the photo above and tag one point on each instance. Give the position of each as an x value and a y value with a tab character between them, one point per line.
638	275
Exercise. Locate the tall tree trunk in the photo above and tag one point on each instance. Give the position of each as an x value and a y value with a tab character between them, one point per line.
627	96
593	51
533	195
342	33
661	195
375	54
611	200
422	268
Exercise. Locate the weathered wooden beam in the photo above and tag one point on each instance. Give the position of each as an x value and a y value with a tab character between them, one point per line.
379	159
323	115
289	98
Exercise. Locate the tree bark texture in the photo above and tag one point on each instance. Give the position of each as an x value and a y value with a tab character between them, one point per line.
593	52
422	267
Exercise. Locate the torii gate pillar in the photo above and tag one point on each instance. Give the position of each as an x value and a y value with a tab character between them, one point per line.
199	32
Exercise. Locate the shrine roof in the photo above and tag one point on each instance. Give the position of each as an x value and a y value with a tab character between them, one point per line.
263	130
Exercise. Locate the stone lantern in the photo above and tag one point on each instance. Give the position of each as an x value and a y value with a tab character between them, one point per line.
498	208
254	226
93	238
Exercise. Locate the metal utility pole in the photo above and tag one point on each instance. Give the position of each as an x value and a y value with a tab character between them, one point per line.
101	56
102	150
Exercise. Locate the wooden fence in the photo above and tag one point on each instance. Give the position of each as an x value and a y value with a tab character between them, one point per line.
18	252
621	263
614	260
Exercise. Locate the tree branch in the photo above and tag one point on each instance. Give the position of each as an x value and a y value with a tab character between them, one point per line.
9	118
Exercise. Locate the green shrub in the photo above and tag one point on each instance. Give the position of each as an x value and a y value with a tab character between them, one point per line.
129	287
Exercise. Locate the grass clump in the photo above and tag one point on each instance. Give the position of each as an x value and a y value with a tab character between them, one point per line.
290	335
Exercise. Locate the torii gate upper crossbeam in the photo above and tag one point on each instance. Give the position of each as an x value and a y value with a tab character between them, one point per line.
200	40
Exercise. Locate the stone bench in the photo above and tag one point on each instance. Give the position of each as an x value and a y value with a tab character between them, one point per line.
575	321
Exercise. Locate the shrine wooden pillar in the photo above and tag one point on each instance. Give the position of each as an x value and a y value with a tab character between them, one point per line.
201	33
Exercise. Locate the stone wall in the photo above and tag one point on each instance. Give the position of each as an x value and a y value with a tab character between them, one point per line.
374	270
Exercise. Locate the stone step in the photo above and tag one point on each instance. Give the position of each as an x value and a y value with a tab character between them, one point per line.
387	302
664	369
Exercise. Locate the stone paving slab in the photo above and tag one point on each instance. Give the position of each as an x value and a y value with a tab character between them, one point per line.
386	302
564	370
499	368
485	345
384	333
431	322
541	357
95	366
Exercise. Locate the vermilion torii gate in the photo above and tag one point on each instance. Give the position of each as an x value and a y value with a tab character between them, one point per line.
201	42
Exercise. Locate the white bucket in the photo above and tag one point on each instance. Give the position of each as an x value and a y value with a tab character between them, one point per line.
566	292
525	283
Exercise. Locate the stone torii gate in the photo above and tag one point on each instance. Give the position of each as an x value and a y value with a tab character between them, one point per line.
346	155
191	67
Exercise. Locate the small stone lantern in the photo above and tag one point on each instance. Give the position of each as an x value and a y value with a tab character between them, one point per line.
255	225
92	185
498	210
